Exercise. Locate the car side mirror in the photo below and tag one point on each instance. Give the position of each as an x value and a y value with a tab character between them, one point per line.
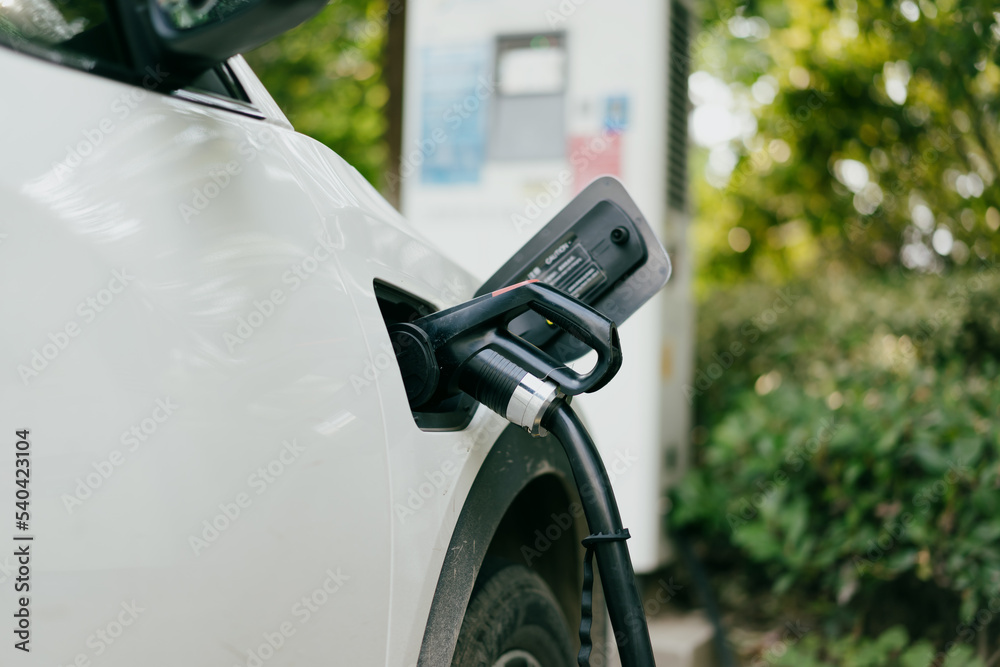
600	250
186	37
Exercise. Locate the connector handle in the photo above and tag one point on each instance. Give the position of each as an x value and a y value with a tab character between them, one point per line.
459	333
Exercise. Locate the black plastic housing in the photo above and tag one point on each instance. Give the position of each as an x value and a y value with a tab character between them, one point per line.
598	249
451	414
433	351
180	55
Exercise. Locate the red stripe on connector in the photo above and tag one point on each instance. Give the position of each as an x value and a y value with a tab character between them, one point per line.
507	289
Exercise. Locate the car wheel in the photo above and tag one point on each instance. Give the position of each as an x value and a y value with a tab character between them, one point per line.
513	620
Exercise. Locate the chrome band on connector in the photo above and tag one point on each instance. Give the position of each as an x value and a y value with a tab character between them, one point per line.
530	401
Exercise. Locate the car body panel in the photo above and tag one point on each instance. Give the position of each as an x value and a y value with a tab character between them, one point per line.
232	320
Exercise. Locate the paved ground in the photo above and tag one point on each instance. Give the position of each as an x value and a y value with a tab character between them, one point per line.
679	641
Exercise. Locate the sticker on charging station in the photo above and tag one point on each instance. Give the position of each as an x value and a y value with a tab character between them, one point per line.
569	268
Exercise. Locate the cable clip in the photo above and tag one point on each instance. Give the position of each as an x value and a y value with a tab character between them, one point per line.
598	538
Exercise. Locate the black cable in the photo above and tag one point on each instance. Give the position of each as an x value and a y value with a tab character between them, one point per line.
628	620
586	610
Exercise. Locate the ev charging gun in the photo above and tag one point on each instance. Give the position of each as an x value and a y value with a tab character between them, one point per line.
509	348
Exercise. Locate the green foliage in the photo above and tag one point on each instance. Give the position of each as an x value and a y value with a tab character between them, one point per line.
849	437
327	77
907	88
890	649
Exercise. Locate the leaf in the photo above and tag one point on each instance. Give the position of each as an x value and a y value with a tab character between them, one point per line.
966	451
890	437
987	533
893	639
758	541
930	456
961	655
918	655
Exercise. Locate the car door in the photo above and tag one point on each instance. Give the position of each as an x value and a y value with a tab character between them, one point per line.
208	485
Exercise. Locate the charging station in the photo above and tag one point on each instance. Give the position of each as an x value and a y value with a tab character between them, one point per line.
511	107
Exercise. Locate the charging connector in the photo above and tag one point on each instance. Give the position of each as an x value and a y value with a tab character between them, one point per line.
509	390
468	348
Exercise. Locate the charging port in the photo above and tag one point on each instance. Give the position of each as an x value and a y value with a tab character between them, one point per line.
398	306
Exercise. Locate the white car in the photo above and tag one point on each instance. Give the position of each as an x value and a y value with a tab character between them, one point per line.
208	456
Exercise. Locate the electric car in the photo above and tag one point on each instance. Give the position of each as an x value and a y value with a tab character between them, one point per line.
209	453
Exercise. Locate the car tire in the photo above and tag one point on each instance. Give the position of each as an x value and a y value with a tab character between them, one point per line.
513	620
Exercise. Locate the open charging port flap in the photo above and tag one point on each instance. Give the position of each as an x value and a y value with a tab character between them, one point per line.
598	249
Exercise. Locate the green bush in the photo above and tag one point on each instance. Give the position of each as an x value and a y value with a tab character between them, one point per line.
847	448
327	77
891	649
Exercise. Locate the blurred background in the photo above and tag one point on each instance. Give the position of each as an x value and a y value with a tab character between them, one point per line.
831	400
